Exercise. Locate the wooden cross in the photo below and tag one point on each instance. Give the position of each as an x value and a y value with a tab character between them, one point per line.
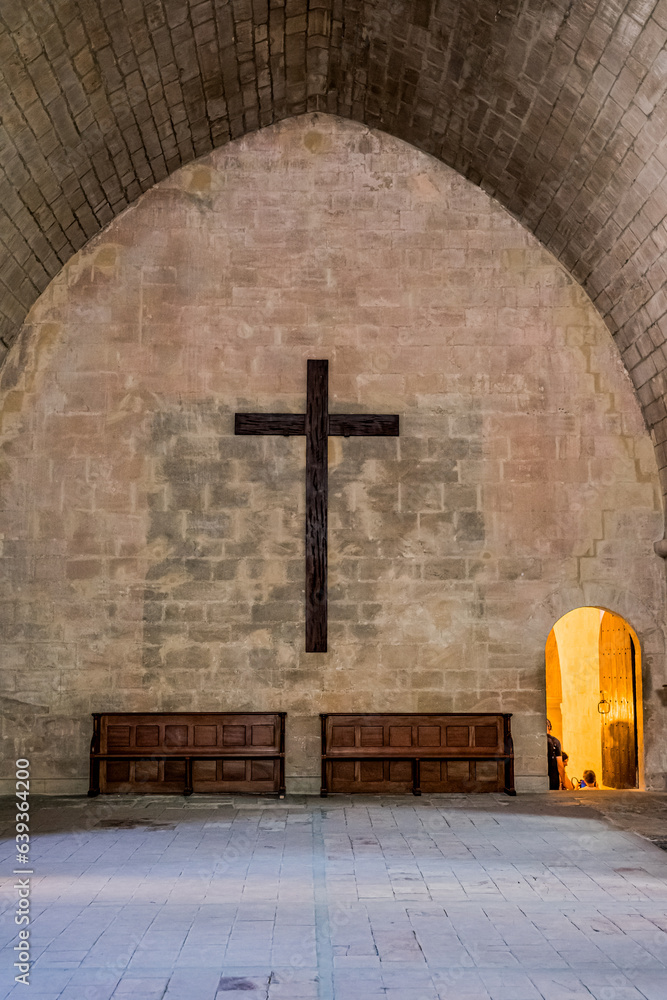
317	424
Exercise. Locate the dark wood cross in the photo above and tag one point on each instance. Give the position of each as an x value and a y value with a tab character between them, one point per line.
317	424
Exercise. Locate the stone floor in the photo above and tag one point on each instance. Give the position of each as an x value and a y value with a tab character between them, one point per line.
456	897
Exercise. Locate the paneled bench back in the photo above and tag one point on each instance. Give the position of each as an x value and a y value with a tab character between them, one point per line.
430	752
173	752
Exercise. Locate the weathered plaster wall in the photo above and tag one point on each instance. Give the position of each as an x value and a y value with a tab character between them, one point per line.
152	560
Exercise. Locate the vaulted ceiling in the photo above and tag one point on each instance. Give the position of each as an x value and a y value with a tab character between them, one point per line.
557	108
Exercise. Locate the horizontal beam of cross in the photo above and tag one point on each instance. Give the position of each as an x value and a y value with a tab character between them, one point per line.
340	424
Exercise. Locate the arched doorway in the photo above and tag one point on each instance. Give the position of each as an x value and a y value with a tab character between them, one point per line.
593	684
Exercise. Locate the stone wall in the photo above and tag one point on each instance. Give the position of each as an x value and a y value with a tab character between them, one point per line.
153	560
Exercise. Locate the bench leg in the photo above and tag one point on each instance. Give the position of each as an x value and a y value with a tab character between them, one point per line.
94	786
188	777
416	778
509	777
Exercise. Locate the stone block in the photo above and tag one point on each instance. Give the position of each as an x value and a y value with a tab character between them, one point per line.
469	526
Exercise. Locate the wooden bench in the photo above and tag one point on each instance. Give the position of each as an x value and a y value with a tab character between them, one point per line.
429	752
185	752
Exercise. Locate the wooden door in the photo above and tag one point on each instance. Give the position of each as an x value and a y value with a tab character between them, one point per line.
617	703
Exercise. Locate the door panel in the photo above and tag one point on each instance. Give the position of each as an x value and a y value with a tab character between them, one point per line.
554	686
617	704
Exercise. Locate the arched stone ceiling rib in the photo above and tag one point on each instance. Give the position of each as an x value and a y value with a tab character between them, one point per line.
555	107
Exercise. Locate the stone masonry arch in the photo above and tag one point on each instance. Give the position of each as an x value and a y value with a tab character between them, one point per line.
554	108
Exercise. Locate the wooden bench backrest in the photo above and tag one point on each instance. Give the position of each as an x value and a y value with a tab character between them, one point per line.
414	735
189	733
171	752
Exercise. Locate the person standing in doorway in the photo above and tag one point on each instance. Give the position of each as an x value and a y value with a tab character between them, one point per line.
555	760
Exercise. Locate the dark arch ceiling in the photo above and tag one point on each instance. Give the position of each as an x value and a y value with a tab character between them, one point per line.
555	107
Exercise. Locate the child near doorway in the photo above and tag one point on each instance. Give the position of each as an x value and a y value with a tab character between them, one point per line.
588	780
565	781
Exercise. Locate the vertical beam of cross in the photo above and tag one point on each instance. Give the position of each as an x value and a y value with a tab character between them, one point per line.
317	481
317	424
